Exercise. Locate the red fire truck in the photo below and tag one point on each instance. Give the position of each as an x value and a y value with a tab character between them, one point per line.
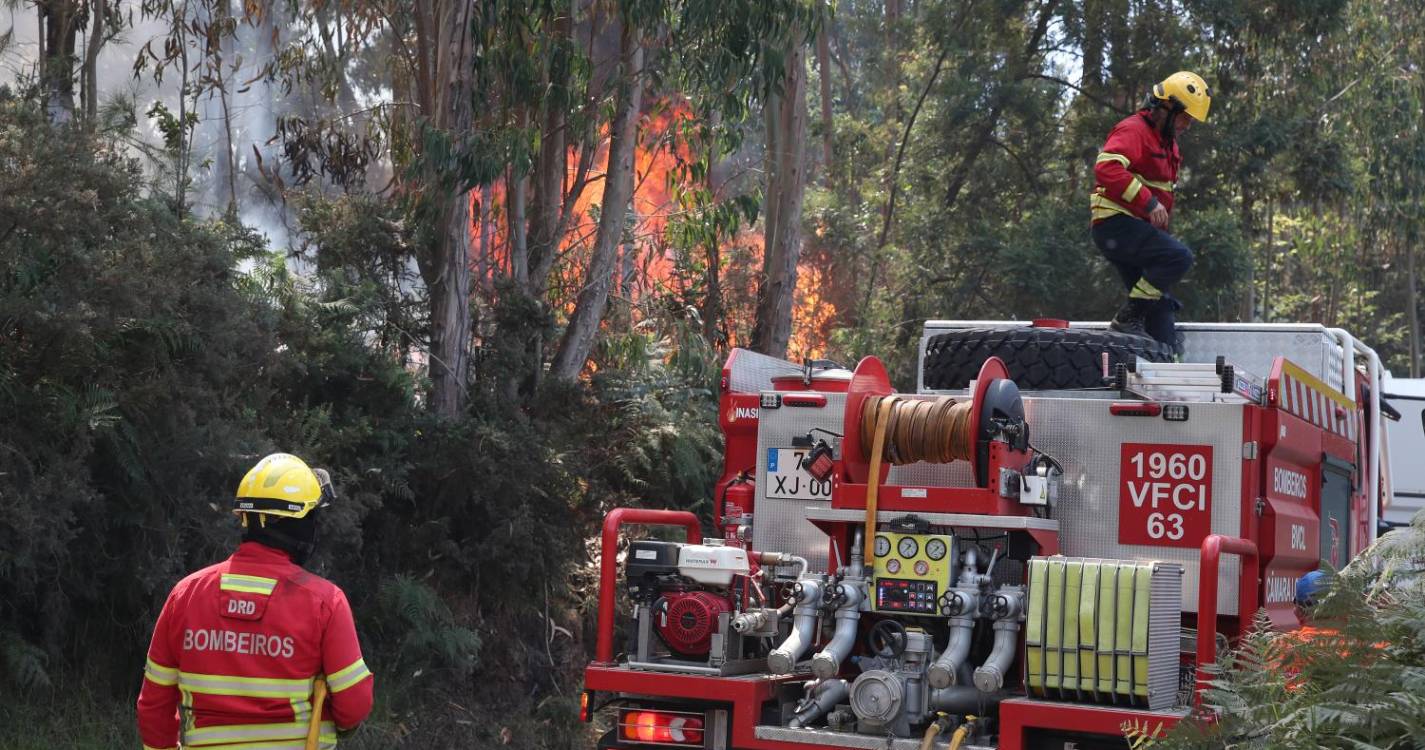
1041	545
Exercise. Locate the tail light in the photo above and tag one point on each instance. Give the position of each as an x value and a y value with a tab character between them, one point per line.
656	727
584	713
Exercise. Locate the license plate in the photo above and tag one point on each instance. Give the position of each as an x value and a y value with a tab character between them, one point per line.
787	480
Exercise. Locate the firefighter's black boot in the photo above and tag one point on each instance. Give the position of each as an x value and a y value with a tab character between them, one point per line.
1129	318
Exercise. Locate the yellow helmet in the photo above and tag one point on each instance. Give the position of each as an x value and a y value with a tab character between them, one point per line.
282	485
1188	91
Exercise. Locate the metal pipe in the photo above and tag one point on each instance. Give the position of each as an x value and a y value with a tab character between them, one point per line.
857	568
608	563
828	661
989	677
1210	553
757	619
780	558
822	696
963	699
783	658
943	672
1349	348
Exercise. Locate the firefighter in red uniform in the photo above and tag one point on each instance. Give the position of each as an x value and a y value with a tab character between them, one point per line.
1132	204
240	646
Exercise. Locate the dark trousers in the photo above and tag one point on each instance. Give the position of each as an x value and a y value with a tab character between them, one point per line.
1138	250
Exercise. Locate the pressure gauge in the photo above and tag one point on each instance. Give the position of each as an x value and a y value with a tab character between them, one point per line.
883	546
893	566
935	549
908	547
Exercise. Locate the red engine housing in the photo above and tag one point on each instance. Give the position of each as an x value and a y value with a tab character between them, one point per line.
689	620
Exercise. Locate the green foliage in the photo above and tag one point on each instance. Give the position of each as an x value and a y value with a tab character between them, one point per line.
1356	681
412	617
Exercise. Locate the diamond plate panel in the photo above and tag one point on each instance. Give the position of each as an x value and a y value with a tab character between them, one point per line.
1087	440
753	372
1254	349
781	525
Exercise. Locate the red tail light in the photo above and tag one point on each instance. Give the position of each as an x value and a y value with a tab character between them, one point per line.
671	728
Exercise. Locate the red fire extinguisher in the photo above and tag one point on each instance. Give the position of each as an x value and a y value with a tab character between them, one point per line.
738	497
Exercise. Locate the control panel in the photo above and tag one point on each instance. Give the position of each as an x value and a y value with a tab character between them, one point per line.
912	571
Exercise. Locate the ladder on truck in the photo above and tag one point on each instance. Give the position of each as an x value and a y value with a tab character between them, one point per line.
1219	381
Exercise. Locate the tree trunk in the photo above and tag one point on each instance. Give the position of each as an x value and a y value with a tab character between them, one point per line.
786	183
515	201
552	164
1413	305
593	299
91	61
443	88
823	66
60	24
1249	300
487	237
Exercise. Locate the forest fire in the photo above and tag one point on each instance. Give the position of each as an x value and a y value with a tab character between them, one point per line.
647	266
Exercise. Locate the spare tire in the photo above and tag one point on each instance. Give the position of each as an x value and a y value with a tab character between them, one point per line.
1037	358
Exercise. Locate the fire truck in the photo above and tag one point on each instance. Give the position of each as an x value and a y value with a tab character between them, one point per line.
1042	546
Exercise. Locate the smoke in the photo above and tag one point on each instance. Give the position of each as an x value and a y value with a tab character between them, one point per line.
224	161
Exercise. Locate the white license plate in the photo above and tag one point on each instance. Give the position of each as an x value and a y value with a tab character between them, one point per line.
787	480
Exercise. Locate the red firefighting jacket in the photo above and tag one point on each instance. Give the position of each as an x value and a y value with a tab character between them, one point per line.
1134	168
239	645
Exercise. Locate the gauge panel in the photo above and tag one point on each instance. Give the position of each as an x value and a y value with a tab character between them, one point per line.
911	572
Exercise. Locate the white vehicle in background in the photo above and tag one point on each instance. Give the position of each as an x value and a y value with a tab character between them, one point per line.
1406	438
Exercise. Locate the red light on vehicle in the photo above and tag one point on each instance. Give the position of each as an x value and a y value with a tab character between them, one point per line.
804	399
662	728
686	729
584	707
1135	409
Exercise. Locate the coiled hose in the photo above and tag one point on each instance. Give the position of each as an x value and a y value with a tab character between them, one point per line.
903	431
935	430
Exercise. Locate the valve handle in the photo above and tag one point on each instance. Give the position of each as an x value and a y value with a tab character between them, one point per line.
887	639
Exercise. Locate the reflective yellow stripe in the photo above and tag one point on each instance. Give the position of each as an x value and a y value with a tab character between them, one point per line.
325	741
1104	156
146	747
1131	192
348	676
247	584
1144	290
159	674
1166	187
1103	207
296	730
248	687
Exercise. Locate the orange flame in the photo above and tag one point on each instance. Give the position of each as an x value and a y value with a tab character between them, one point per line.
646	266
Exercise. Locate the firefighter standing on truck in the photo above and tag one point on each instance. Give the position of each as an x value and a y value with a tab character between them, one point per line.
241	645
1132	204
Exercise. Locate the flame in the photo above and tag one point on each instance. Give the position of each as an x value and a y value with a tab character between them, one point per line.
646	267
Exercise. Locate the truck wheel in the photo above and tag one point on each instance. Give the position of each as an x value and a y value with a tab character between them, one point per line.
1037	358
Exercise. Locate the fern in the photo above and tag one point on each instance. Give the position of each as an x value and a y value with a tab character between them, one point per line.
25	663
428	635
1357	683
